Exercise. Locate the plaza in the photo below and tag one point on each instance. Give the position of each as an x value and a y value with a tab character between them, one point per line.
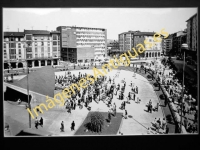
138	119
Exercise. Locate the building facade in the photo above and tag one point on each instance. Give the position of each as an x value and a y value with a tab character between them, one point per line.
83	37
167	45
192	28
178	38
112	47
34	48
78	55
130	39
14	49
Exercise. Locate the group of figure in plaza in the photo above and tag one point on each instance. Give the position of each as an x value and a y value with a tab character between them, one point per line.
105	88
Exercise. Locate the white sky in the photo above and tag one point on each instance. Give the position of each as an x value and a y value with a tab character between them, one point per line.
115	20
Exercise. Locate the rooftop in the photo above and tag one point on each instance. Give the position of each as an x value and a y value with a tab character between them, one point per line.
80	27
36	32
139	33
55	31
145	33
13	33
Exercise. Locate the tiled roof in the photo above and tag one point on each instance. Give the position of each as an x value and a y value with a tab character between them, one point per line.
13	33
36	32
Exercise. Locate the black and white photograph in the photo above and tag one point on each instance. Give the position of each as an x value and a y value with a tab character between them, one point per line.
100	71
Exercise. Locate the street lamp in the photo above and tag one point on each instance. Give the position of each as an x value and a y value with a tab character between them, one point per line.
29	105
184	47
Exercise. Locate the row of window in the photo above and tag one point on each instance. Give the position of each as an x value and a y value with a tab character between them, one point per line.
102	51
42	55
14	45
87	36
29	37
13	51
99	47
100	33
90	36
86	60
13	39
96	40
42	43
30	56
90	43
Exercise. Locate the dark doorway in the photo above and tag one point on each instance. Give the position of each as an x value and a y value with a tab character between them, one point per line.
48	62
29	63
42	63
54	62
6	65
20	65
13	65
36	63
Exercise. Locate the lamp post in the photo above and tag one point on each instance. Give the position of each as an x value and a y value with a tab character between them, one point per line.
184	47
29	105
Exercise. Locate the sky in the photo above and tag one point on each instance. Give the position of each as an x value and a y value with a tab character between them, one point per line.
115	20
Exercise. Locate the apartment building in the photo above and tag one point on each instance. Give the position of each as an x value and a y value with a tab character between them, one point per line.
192	28
167	45
13	49
178	38
84	37
34	48
130	39
112	47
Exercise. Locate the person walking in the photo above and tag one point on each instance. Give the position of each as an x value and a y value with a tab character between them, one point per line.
164	123
114	109
186	122
62	126
167	129
124	105
36	123
125	114
72	126
136	89
129	95
41	122
109	116
134	96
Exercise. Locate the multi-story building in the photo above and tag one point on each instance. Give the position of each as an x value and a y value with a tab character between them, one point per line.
33	47
178	38
83	37
130	39
112	47
192	32
167	45
14	49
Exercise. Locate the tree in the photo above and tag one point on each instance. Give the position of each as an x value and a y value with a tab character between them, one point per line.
96	121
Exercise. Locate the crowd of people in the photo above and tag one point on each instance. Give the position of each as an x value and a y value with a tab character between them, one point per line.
103	89
174	93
